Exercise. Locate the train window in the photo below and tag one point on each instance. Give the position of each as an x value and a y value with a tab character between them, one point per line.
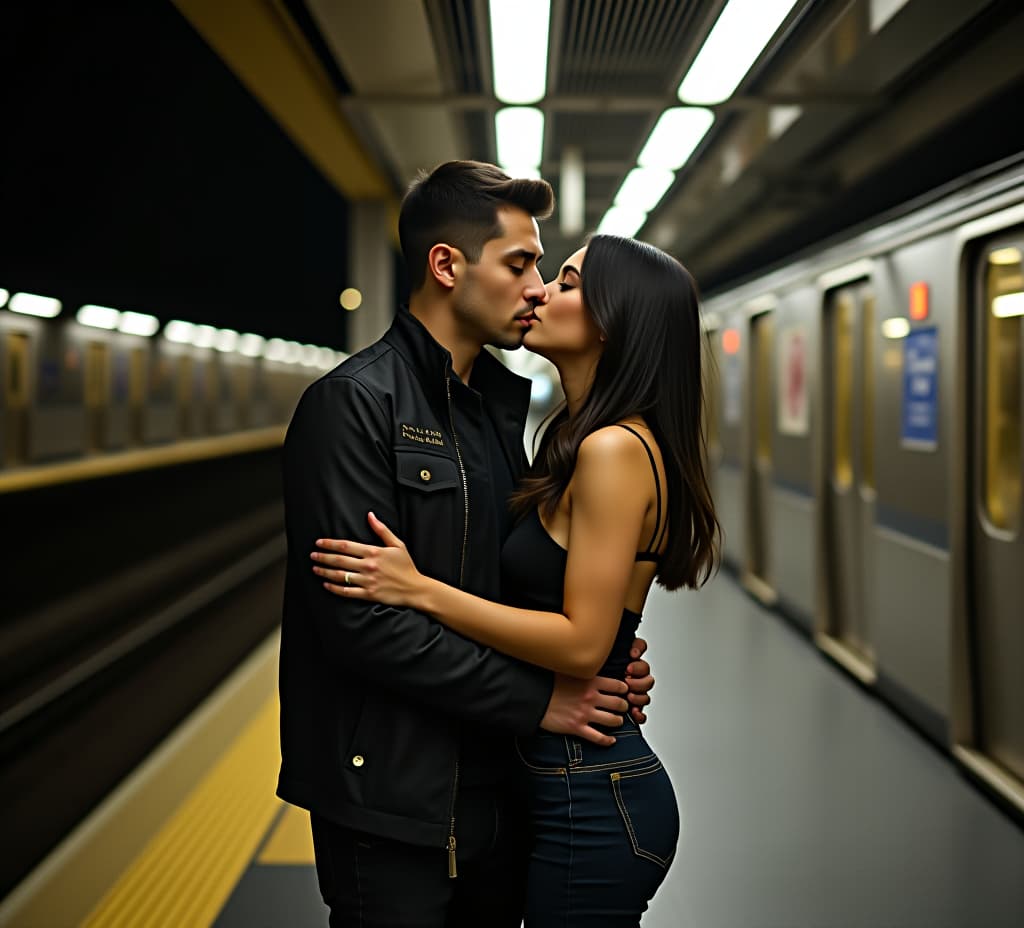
763	386
842	394
1004	309
867	445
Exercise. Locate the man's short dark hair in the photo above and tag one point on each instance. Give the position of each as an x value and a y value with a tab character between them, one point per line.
457	203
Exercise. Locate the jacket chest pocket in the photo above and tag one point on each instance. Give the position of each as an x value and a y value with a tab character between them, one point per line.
426	472
431	511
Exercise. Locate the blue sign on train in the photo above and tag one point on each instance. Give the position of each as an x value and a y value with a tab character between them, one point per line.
921	389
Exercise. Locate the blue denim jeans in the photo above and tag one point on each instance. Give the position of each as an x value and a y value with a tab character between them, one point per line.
605	827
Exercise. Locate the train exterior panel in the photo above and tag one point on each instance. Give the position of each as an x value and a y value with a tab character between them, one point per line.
867	465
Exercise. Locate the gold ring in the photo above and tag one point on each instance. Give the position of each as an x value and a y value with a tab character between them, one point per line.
348	580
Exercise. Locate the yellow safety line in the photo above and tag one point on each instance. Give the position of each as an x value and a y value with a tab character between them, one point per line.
121	462
187	871
291	841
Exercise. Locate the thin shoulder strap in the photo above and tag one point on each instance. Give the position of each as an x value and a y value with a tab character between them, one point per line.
656	537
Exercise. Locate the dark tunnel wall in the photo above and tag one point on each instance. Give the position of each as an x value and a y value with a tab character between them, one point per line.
139	173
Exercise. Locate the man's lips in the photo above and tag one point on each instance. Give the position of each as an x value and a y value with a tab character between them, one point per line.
526	319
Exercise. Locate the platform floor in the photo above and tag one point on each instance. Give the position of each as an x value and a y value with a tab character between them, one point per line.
804	802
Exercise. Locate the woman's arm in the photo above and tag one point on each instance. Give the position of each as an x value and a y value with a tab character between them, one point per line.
608	504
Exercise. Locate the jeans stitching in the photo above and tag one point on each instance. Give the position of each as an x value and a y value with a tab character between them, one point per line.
662	862
591	768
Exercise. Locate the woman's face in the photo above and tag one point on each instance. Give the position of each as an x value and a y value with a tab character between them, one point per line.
563	327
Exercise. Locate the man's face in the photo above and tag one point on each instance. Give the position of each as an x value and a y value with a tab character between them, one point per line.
495	296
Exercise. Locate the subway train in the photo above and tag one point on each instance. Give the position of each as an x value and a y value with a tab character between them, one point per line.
865	447
100	381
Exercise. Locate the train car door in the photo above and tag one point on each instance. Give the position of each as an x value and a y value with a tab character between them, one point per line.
712	430
137	395
759	457
97	395
16	393
996	560
850	484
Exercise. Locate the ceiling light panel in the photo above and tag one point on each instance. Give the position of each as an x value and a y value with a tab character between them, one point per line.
622	220
519	49
520	136
643	188
677	133
736	41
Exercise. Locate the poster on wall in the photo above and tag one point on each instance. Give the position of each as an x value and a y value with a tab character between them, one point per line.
920	430
792	401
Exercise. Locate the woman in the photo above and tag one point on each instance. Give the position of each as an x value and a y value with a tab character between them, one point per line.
617	497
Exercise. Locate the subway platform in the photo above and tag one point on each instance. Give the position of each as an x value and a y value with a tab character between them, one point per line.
805	803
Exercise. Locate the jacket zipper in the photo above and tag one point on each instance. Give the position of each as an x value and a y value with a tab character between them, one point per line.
453	871
462	474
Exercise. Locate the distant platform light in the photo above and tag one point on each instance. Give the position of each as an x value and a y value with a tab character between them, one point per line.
4	296
896	327
31	304
275	350
250	345
351	299
204	336
325	358
731	341
1005	256
99	317
292	352
226	340
540	388
138	324
179	331
309	355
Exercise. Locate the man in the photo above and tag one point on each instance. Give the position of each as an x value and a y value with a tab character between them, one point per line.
396	733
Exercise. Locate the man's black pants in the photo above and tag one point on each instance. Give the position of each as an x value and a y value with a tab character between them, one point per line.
373	882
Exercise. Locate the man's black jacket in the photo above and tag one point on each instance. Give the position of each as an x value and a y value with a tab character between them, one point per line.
373	697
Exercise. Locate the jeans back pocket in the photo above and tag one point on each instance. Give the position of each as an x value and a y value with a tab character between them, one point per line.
647	804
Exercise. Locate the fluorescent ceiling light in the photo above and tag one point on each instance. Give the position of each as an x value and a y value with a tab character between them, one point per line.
250	345
519	48
31	304
571	192
4	295
138	324
179	331
643	188
1007	305
736	41
204	336
622	220
897	327
677	133
99	317
520	132
292	352
325	358
308	356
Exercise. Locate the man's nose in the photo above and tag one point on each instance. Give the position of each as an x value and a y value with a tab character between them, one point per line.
537	292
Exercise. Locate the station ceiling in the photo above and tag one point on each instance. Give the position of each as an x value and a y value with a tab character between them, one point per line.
854	106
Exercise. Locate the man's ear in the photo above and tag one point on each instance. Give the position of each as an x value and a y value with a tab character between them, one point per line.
443	264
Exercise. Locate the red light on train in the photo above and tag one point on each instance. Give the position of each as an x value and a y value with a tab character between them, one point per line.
731	341
919	301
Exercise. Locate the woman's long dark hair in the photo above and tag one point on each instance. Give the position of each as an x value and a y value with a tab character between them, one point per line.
645	304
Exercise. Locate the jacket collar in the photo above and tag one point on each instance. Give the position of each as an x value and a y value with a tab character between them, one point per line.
507	395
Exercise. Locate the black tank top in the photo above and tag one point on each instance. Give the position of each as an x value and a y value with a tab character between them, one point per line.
533	573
